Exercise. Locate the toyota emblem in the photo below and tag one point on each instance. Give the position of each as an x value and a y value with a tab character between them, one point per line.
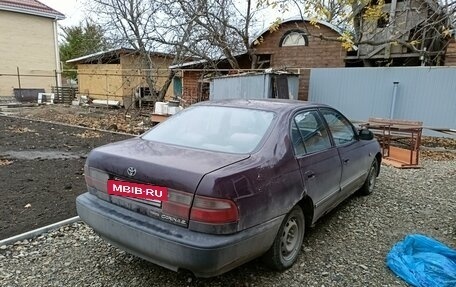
131	171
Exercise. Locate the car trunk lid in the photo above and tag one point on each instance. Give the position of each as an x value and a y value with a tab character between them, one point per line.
179	169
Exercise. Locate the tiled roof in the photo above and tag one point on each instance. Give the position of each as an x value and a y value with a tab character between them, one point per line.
32	7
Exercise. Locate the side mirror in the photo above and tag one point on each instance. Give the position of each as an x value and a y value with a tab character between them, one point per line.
366	135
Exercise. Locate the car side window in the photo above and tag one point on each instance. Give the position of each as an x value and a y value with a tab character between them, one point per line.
309	134
341	129
296	140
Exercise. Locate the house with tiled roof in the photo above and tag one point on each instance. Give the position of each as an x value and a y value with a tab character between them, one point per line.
29	51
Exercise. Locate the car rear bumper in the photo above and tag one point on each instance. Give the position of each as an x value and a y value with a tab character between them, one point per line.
172	246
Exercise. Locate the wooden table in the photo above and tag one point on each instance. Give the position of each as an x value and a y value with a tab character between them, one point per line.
400	141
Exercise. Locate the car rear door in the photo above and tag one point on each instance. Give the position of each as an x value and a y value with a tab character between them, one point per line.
354	162
318	159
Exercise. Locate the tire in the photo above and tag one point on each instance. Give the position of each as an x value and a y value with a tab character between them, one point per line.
369	184
287	244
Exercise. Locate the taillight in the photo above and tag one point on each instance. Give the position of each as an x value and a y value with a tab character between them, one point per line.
96	178
178	203
213	210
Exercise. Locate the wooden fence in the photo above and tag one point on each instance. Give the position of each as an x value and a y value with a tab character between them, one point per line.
64	95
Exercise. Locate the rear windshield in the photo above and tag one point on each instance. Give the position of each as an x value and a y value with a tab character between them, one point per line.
224	129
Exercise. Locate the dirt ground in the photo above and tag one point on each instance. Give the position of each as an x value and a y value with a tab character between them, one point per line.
41	172
128	121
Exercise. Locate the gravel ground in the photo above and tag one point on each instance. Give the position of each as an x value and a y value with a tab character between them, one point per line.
346	248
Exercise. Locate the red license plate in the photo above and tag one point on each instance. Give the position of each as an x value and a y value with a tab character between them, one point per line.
137	190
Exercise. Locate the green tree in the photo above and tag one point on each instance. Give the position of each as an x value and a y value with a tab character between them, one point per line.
87	38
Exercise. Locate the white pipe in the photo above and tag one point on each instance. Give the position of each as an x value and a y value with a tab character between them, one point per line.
57	53
38	231
393	102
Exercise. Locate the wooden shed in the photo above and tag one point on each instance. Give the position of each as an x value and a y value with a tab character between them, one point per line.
119	75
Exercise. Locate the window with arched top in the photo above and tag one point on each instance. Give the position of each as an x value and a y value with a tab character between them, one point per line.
294	38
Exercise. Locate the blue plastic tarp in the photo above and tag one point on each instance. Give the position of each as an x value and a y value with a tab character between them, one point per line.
423	262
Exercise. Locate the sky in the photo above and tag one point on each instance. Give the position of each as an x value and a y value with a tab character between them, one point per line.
71	8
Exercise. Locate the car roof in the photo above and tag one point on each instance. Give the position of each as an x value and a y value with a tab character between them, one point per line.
275	105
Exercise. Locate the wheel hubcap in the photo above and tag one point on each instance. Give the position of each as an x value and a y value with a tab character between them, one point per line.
372	177
290	238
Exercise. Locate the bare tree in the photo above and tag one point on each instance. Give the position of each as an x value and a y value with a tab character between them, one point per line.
208	29
129	23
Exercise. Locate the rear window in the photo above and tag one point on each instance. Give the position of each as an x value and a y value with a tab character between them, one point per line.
223	129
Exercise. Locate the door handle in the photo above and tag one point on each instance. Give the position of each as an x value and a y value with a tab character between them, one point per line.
346	160
310	175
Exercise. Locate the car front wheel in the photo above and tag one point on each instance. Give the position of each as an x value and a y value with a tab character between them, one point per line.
369	184
288	241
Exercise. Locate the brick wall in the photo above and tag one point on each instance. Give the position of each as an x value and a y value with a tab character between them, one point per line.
317	54
193	90
304	78
450	55
191	87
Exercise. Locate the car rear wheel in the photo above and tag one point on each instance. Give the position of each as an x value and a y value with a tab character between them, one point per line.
369	184
288	242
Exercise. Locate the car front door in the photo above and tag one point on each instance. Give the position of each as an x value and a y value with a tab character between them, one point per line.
350	150
318	159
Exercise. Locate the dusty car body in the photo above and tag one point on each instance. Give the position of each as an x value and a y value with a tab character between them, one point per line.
242	178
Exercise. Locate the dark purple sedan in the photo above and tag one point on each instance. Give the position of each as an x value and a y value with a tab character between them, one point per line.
221	183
